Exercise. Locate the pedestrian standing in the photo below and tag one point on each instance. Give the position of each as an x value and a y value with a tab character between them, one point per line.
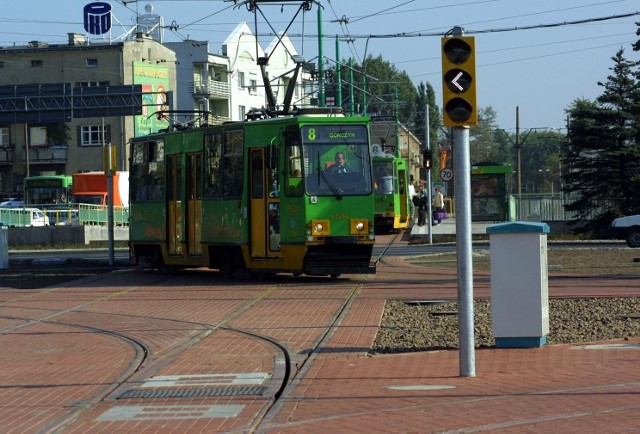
438	206
422	207
412	194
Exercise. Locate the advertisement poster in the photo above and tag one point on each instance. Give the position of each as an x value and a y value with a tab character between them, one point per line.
486	198
155	82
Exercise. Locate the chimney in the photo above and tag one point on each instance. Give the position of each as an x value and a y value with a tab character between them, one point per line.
77	39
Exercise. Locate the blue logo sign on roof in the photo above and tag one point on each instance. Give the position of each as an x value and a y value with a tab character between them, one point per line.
97	18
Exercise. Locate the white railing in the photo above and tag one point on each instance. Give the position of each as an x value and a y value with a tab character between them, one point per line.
211	87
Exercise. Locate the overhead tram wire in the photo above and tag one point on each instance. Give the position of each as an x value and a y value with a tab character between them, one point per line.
343	22
471	32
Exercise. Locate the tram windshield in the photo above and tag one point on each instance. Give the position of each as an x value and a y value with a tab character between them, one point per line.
336	160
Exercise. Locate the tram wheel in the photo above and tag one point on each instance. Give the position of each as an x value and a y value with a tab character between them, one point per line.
226	265
156	262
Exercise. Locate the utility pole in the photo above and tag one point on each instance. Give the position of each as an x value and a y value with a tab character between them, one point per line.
427	141
338	74
519	162
321	96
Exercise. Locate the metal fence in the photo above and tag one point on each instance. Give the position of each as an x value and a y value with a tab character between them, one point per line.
544	207
97	215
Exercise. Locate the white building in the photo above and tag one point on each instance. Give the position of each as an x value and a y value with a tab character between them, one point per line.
230	84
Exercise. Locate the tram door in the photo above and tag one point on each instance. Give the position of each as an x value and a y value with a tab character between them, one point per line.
403	192
194	204
264	206
174	205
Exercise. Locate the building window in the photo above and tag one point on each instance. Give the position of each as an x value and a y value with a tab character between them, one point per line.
242	111
254	85
92	63
4	136
36	63
1	64
92	83
37	136
91	135
241	79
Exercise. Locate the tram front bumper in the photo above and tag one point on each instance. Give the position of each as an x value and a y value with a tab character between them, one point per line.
339	258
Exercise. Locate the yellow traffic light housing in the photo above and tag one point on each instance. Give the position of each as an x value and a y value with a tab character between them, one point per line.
459	81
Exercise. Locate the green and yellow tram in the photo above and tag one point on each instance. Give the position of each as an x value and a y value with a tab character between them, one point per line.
255	195
392	210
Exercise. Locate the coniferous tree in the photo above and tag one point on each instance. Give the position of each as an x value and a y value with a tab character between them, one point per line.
602	154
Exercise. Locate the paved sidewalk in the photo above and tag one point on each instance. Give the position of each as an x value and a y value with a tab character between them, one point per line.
158	329
586	387
447	227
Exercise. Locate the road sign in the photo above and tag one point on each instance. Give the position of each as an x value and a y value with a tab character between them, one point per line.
446	174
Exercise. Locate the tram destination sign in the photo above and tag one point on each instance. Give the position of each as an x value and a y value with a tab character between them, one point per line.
328	134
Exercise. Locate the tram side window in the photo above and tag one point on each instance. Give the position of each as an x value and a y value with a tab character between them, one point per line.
213	147
147	171
294	183
232	164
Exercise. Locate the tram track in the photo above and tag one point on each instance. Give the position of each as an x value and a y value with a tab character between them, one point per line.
93	318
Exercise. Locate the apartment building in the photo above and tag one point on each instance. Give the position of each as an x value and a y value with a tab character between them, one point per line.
229	84
44	145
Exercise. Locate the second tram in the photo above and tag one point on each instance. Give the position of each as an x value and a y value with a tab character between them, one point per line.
392	210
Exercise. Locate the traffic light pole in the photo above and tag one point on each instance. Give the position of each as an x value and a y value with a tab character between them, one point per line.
428	170
462	181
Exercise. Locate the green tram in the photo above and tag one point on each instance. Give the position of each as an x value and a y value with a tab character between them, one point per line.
255	196
392	210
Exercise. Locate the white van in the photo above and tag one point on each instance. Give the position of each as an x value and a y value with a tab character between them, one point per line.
23	217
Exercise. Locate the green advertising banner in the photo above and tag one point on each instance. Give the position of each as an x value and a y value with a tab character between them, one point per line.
155	83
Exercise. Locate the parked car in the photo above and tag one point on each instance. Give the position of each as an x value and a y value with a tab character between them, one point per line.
627	228
12	203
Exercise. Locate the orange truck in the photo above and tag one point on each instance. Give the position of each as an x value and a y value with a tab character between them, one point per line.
91	188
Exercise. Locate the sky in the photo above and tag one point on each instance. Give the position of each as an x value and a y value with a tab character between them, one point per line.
526	56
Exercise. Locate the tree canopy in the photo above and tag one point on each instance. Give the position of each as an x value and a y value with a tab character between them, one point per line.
603	152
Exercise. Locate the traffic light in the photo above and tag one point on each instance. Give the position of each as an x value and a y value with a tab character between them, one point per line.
459	81
427	159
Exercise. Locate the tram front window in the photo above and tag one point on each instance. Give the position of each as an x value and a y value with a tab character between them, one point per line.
336	160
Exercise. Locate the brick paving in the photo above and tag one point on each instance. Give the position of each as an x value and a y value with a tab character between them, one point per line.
53	361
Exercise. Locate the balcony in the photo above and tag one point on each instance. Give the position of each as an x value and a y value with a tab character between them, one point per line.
7	155
211	89
43	154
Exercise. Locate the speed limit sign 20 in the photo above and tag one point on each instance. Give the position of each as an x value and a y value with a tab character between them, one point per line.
446	174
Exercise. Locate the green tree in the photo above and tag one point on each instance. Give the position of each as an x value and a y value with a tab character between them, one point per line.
385	89
482	141
603	155
540	161
426	98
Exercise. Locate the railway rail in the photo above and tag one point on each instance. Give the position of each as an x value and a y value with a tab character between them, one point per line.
132	310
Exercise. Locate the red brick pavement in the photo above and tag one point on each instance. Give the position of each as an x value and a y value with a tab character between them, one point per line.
559	388
556	388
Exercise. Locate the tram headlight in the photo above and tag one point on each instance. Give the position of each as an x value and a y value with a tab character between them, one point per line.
359	227
320	227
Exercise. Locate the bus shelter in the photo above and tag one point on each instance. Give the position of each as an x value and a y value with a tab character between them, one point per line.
489	192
